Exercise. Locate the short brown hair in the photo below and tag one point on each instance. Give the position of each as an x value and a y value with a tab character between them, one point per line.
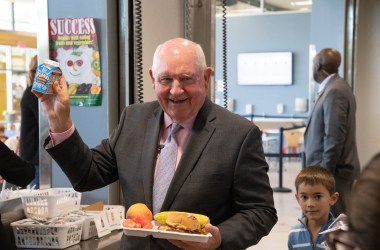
316	175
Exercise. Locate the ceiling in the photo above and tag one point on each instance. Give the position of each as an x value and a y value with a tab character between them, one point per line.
254	6
291	4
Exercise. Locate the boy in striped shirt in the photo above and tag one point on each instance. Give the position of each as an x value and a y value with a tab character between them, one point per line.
315	193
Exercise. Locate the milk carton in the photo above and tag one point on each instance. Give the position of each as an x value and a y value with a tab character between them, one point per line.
46	74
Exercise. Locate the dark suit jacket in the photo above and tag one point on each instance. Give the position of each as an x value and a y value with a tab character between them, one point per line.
13	169
330	135
29	130
222	172
16	171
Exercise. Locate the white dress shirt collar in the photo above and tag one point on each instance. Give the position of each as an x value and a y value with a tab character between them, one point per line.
324	82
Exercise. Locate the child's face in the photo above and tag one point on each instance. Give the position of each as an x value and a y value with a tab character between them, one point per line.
315	201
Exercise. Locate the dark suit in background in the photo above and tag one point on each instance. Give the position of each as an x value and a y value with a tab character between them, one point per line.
29	129
330	135
16	171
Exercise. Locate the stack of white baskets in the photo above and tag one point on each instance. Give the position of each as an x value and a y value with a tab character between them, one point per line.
46	225
55	220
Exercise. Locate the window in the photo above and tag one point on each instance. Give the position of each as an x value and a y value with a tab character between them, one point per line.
18	16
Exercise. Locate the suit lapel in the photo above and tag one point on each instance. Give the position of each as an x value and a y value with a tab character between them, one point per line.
200	135
319	97
149	154
315	104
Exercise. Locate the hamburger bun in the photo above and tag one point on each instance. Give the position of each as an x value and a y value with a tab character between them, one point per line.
182	222
185	221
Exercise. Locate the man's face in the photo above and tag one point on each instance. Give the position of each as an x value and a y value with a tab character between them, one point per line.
179	84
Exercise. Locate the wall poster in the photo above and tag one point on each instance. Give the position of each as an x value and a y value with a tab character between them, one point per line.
74	44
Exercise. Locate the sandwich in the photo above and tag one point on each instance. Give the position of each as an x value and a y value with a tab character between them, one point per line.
182	222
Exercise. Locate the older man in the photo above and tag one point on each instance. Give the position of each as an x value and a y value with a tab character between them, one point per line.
220	168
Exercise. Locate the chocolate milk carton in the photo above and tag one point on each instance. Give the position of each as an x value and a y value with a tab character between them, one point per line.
46	74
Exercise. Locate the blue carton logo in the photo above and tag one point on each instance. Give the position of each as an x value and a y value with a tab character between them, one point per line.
45	75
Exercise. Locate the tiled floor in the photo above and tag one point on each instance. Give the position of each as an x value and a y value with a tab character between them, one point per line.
287	207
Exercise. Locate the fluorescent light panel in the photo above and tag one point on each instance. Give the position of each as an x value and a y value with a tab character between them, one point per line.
301	3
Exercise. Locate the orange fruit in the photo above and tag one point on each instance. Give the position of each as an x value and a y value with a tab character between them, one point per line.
95	89
141	215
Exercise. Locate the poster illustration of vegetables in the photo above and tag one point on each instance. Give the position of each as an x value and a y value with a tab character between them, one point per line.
74	44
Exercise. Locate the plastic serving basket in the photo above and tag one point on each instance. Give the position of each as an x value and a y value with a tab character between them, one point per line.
51	202
32	234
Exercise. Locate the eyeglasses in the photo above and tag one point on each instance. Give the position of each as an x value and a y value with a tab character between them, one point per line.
183	79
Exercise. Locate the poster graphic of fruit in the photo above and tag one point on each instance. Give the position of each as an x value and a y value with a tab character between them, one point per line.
73	43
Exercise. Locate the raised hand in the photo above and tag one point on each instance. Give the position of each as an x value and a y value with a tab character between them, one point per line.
57	106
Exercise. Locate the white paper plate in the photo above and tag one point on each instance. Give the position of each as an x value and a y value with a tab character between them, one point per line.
140	232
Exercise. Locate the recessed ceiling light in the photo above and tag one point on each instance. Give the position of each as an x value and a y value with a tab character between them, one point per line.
302	3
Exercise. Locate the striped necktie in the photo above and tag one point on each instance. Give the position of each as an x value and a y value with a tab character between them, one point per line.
165	169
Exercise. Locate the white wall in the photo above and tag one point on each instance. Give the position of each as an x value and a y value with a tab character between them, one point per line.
162	20
367	86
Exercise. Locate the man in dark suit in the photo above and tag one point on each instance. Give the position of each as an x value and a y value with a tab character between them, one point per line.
221	169
29	129
14	170
330	135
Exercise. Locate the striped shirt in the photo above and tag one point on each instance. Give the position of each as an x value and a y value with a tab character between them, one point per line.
300	236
